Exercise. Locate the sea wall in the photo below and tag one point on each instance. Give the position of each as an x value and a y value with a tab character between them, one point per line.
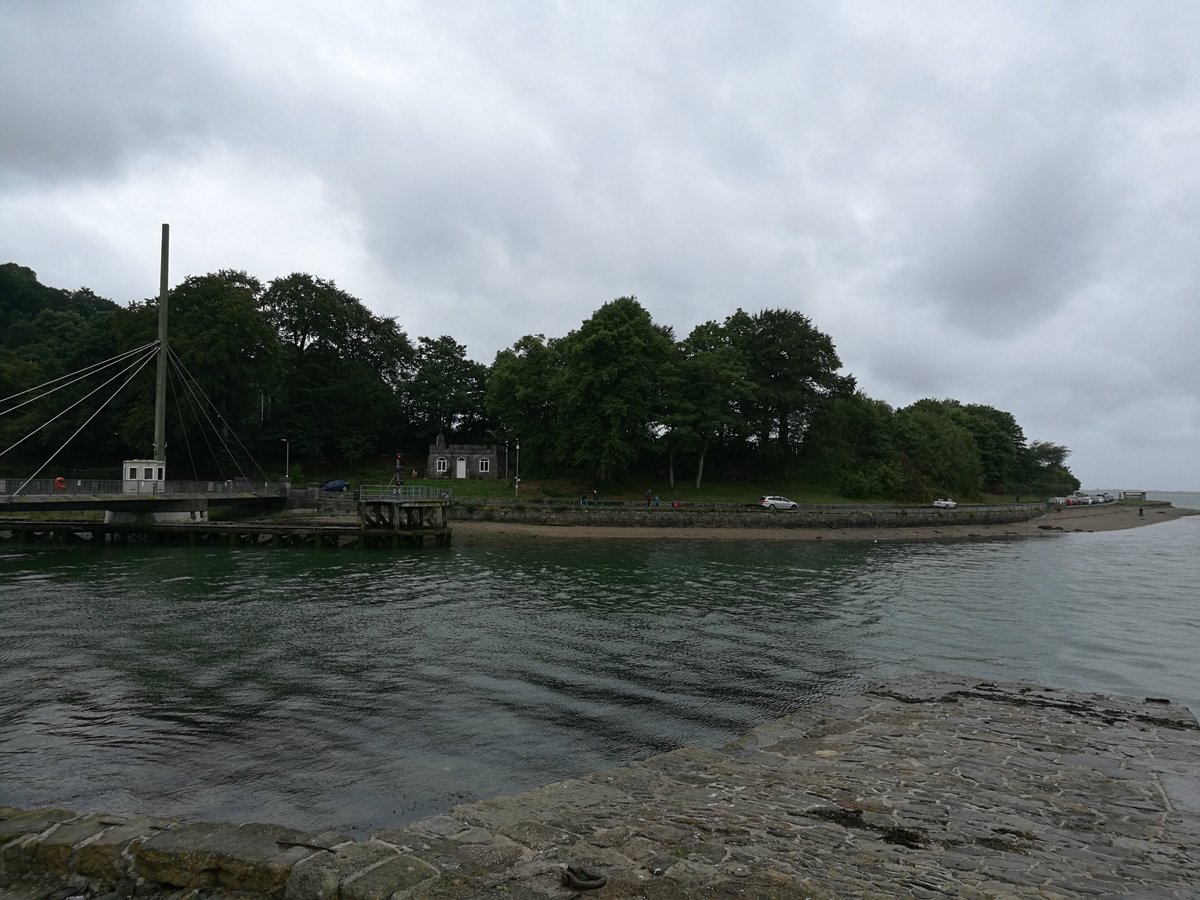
685	517
930	785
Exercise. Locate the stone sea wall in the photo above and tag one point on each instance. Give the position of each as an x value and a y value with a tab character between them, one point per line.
927	786
685	517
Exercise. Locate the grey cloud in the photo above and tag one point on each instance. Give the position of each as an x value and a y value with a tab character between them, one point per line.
963	197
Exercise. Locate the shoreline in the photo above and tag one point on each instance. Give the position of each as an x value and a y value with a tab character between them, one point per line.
1069	520
931	784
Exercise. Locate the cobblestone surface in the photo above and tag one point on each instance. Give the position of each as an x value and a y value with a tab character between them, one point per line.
922	787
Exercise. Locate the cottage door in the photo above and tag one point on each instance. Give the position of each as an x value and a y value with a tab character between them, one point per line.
460	467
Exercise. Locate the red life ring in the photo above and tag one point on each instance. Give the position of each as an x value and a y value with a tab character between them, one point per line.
60	483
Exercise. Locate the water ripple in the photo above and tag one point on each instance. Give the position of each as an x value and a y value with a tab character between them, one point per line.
357	690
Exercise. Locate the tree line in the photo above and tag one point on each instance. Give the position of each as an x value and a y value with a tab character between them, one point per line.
297	358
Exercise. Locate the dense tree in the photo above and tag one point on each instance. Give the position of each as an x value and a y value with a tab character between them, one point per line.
1044	469
226	363
343	367
315	316
851	444
792	367
446	393
306	361
708	385
610	388
520	396
46	333
938	455
1000	442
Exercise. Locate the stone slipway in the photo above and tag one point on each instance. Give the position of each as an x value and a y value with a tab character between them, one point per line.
922	787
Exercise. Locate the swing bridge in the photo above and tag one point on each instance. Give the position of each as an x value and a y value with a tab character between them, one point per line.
143	506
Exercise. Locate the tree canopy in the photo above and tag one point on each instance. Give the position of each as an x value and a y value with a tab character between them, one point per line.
304	361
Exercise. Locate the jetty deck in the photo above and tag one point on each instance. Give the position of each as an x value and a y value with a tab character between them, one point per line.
231	534
921	787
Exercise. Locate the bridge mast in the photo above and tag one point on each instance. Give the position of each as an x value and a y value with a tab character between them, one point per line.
160	393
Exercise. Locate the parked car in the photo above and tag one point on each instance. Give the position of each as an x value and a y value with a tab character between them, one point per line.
777	503
947	503
337	484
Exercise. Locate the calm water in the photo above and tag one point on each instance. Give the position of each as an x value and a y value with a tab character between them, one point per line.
358	689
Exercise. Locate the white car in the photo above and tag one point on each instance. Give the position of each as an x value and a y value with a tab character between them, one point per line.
777	503
945	504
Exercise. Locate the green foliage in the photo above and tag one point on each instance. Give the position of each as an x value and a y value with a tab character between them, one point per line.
344	370
792	368
446	394
520	396
230	360
312	315
610	388
45	333
755	396
850	434
937	455
708	387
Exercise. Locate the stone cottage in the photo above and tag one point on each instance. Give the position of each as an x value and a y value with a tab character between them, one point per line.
461	460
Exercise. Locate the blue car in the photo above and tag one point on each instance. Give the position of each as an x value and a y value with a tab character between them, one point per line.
337	484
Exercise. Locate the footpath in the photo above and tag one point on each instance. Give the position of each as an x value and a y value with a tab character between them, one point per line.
923	787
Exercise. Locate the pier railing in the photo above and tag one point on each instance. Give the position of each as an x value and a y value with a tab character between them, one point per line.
400	492
719	505
51	487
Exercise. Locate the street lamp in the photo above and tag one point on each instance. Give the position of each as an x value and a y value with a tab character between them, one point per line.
287	460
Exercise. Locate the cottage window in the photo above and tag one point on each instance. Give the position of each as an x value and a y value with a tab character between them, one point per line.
148	474
133	473
443	465
485	465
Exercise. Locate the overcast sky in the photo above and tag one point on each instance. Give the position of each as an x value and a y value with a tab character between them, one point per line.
995	202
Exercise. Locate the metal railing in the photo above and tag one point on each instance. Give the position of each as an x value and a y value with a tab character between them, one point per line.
54	487
720	505
401	492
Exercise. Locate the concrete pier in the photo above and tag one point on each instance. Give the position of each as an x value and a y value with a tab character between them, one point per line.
922	787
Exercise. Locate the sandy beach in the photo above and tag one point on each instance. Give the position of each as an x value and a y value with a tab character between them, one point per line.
1113	517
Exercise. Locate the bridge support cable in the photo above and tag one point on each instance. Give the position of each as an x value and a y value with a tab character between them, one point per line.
197	410
183	428
140	365
184	371
191	389
76	376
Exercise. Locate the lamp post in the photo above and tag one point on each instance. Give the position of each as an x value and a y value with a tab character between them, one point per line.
517	489
287	460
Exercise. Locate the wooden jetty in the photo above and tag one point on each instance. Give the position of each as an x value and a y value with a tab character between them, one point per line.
389	521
